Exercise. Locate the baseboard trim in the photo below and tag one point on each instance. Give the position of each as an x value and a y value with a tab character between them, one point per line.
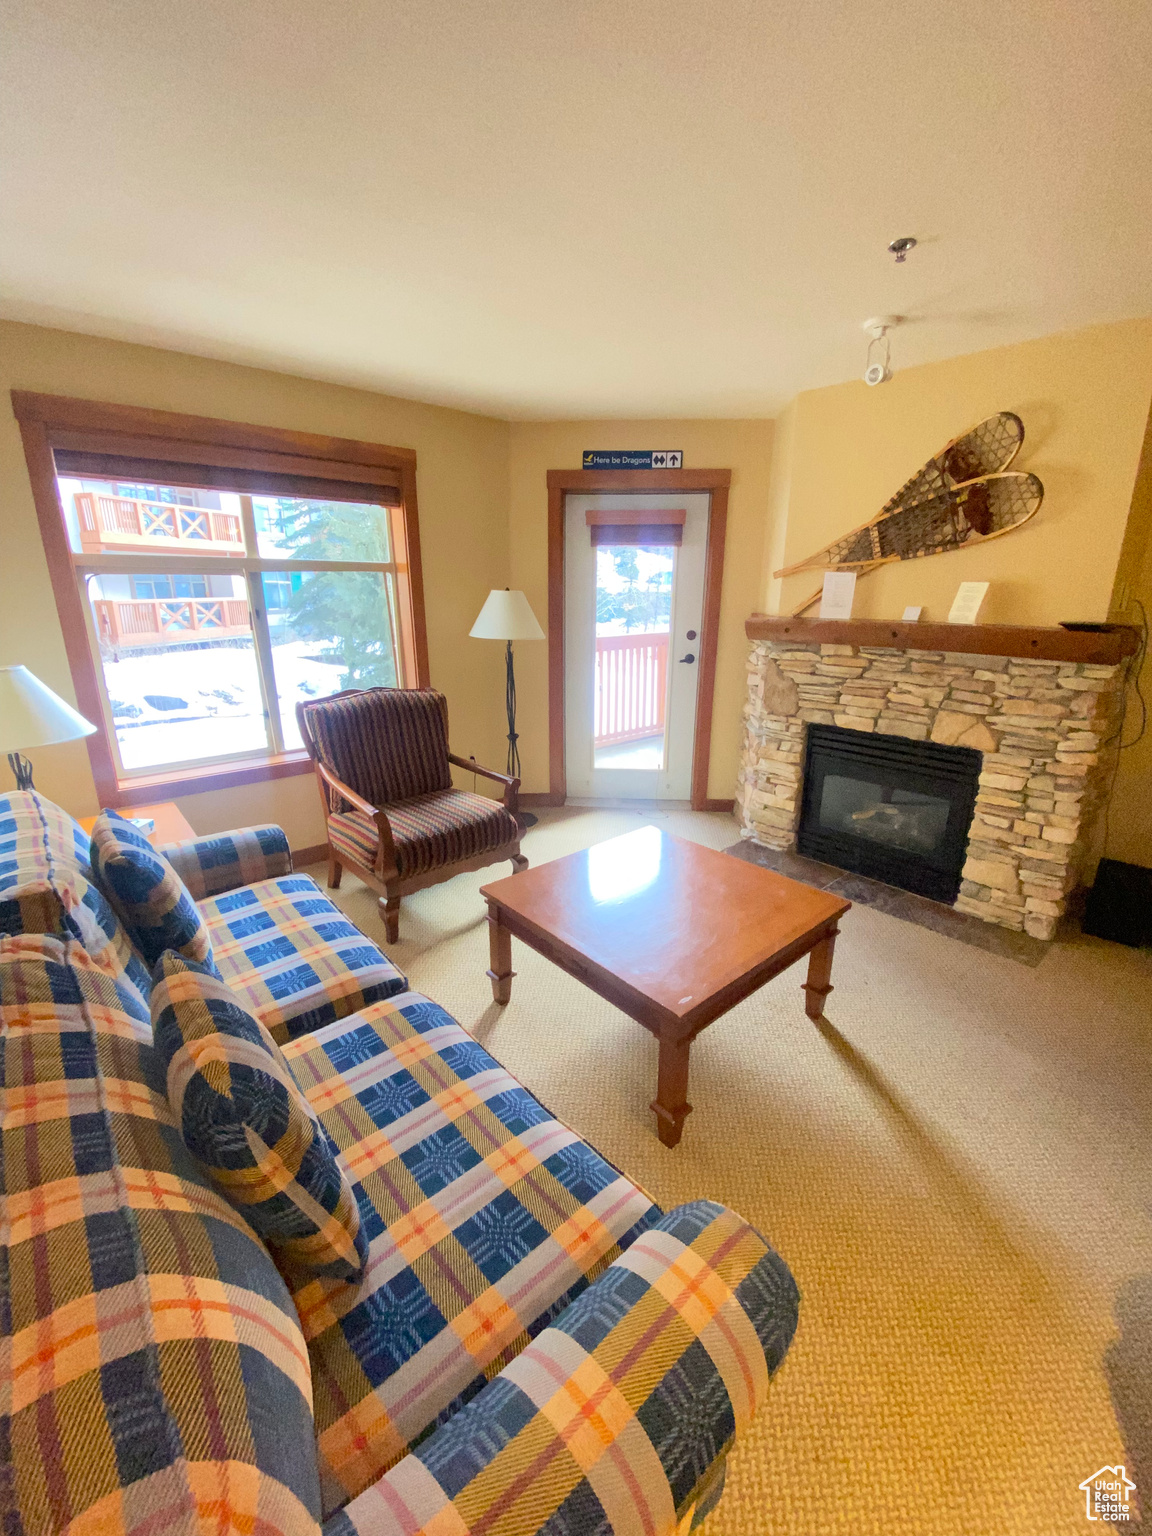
543	797
720	805
312	855
608	803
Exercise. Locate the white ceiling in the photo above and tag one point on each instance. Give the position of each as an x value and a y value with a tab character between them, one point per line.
544	209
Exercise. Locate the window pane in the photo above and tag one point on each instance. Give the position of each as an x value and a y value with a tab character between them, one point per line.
180	670
109	516
290	528
330	630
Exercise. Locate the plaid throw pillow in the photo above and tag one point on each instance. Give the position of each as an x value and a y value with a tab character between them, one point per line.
243	1117
149	896
47	887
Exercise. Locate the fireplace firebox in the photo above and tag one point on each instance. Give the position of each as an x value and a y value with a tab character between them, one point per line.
884	806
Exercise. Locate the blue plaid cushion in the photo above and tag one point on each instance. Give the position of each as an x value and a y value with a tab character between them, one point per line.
151	899
242	1115
155	1380
293	959
47	887
484	1218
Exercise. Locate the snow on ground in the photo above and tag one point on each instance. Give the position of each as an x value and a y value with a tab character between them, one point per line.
220	710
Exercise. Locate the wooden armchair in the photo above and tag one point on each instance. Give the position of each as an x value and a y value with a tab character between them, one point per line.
384	772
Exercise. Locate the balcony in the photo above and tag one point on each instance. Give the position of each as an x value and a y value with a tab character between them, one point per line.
170	620
631	686
120	522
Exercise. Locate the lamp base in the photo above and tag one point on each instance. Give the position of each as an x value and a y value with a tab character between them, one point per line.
22	768
524	819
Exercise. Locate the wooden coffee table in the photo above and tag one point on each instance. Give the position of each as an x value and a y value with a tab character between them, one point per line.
672	933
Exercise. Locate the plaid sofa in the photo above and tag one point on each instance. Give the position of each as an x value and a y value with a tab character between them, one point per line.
533	1346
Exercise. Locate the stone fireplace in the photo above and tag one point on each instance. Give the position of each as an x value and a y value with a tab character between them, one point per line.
1038	706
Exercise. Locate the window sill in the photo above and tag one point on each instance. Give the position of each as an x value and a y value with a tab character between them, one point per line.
143	789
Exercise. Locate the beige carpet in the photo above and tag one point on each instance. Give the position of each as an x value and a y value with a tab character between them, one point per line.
958	1168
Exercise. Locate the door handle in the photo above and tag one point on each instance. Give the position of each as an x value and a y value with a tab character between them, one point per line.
689	657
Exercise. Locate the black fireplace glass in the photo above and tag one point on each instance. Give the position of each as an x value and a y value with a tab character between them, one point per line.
884	806
898	818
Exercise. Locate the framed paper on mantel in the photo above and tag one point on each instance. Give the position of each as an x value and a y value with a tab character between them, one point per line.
969	600
836	598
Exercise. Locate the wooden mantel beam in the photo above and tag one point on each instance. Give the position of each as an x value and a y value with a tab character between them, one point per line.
1100	647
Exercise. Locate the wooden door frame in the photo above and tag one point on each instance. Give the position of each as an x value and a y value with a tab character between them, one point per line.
563	483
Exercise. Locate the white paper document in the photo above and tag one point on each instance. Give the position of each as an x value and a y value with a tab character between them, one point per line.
836	598
970	597
912	615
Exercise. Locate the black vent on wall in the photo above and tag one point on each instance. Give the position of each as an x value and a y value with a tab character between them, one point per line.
894	809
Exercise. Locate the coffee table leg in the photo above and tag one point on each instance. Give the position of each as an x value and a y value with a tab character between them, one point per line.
819	982
500	956
671	1105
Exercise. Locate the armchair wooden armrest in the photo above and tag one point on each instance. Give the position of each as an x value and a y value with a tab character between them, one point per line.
386	855
511	785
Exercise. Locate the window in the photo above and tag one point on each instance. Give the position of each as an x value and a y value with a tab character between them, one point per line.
168	586
208	584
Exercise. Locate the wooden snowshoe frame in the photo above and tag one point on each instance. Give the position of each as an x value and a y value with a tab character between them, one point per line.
961	497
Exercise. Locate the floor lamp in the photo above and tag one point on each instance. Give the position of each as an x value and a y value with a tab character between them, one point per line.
507	616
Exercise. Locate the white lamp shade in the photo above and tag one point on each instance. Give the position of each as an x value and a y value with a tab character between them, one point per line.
506	616
31	715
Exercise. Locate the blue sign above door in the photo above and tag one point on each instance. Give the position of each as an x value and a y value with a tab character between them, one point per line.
633	458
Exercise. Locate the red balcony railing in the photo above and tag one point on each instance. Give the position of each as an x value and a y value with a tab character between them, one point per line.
631	684
120	522
170	620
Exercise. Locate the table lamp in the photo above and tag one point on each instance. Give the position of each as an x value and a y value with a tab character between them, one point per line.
507	616
31	715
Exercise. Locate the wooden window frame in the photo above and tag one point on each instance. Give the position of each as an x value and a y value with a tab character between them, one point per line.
563	483
244	454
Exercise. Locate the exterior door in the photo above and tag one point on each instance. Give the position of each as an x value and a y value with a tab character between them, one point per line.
632	617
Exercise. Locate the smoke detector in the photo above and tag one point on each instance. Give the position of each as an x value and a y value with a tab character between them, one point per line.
878	363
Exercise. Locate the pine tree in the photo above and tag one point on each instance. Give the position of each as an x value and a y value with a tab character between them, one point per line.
348	609
640	607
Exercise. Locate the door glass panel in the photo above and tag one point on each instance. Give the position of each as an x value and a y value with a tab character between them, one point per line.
329	630
633	618
179	665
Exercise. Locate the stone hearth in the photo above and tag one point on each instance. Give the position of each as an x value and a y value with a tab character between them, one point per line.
1039	724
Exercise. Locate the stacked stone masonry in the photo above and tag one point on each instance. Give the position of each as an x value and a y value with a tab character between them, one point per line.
1043	727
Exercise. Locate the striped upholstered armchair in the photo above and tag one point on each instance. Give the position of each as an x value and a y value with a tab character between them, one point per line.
384	772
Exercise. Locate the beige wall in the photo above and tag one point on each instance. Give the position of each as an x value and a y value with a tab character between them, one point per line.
463	489
1083	397
779	496
1129	824
832	459
745	447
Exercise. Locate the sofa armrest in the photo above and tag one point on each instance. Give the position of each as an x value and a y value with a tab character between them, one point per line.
209	865
618	1417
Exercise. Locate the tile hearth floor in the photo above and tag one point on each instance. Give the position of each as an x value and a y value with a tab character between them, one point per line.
866	892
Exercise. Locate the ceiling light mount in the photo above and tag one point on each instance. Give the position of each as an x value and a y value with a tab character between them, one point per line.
878	324
900	248
878	370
